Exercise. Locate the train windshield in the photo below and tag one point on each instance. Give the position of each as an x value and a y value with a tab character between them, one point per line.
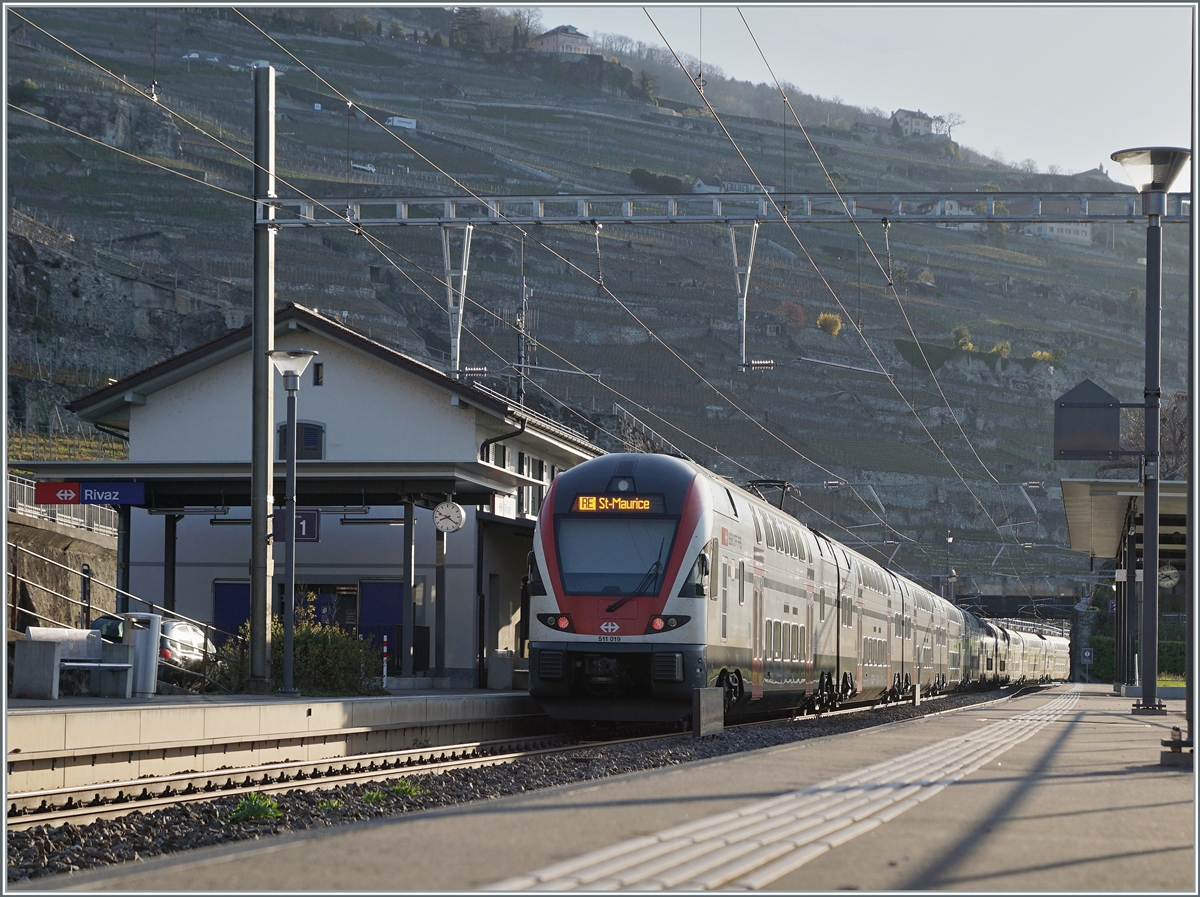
614	555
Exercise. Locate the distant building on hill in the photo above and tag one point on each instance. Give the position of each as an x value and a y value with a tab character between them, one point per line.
913	122
743	187
563	39
1078	232
716	184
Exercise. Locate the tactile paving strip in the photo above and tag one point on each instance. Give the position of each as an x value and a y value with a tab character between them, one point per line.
752	847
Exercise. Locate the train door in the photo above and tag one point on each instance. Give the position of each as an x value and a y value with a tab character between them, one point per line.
807	646
858	641
756	629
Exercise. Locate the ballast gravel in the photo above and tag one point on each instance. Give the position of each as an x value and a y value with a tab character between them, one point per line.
47	850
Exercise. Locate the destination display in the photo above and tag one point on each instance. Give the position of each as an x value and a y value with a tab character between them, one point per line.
621	504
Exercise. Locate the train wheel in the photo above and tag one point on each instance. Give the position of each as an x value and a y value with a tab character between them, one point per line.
731	682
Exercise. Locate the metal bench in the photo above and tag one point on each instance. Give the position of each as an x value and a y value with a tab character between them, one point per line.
45	652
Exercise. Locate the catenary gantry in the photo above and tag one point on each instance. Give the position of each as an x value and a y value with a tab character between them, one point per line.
458	216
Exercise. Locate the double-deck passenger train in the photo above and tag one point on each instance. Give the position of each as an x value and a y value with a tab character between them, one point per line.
651	576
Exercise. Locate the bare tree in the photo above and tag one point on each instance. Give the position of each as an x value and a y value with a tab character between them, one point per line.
528	20
497	28
950	121
1029	166
1053	169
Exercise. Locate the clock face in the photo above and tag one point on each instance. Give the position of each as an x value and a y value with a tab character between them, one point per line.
1167	576
449	517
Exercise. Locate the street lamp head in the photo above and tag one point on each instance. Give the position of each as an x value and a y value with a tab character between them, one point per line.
291	362
1153	169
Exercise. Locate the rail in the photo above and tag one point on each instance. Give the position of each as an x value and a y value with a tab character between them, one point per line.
94	518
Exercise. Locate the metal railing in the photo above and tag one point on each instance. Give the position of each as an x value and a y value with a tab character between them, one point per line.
87	607
94	518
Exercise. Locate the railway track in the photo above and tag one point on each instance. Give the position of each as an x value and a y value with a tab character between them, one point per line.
83	804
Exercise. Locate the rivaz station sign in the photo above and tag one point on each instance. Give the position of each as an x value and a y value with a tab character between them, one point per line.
89	493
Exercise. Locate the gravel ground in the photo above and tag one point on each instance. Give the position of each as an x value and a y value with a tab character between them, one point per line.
68	848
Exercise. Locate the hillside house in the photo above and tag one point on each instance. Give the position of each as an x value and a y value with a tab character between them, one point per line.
1076	232
563	39
383	438
707	185
913	123
744	187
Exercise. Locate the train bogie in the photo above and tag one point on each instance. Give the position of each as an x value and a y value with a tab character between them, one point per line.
651	577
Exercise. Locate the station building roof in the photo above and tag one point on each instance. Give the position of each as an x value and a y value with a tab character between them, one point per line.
326	482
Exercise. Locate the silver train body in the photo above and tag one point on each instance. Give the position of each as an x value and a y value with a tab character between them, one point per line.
651	577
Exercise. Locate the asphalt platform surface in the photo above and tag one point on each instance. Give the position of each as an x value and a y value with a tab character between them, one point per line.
1057	791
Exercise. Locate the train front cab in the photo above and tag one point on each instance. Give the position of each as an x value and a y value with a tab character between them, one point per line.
619	588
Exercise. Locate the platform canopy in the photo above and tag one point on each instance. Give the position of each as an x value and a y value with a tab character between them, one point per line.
1098	512
318	483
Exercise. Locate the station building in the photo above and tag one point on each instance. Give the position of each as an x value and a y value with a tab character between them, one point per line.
382	438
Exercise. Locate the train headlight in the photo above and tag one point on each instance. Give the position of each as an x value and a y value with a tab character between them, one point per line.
559	622
665	621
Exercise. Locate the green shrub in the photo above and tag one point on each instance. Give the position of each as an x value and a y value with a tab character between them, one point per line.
652	182
1171	657
326	659
374	797
830	322
255	807
23	93
937	355
330	804
405	788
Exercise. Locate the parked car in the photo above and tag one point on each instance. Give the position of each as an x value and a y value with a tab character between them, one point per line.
181	643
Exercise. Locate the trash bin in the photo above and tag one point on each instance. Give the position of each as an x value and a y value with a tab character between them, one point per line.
500	670
143	631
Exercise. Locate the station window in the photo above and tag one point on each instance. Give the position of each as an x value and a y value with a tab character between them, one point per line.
310	442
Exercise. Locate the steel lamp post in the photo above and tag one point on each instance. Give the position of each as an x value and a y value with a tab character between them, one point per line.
290	363
1152	171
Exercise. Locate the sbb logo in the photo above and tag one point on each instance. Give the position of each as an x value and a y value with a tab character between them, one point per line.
56	493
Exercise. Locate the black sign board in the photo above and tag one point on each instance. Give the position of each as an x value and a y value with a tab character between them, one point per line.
1087	425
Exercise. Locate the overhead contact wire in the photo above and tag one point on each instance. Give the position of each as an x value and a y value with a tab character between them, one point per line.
524	233
891	285
826	282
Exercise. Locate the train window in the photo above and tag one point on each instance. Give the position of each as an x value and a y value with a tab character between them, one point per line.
822	605
731	502
619	556
787	642
795	543
802	552
758	537
796	636
741	582
775	641
767	639
847	611
770	528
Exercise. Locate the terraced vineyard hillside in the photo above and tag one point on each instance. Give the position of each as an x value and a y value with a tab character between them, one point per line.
116	262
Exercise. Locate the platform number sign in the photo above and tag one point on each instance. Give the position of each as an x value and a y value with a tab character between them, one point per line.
308	525
1086	656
